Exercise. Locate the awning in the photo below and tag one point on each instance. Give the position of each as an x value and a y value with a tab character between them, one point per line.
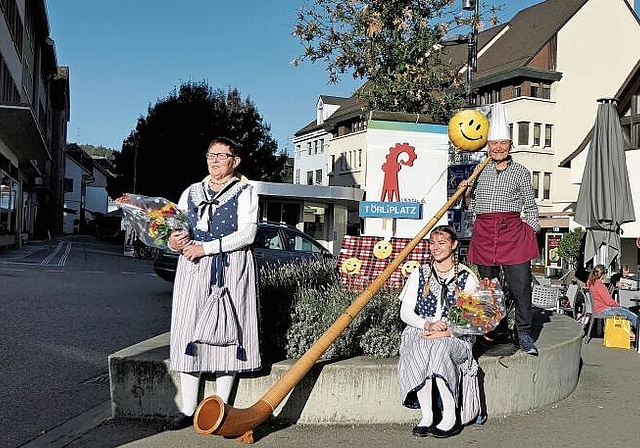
19	130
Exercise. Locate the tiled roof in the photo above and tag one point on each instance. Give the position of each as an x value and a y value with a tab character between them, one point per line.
526	34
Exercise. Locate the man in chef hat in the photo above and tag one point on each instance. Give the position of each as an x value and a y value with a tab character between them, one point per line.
504	231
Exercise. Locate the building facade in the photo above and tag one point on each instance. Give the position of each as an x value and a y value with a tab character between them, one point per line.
34	112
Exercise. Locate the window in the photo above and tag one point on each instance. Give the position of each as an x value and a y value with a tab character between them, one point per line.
546	187
68	185
536	134
8	196
308	148
14	22
309	177
321	145
517	91
535	182
523	133
548	130
315	146
8	91
360	158
546	91
535	90
298	151
268	238
318	177
297	181
333	162
300	243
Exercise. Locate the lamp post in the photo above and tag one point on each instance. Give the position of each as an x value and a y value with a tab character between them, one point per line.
472	47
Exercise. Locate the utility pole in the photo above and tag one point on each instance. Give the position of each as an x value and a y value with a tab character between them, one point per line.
472	47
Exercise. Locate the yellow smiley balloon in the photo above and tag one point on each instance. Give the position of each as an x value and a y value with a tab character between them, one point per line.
408	267
468	130
382	249
351	266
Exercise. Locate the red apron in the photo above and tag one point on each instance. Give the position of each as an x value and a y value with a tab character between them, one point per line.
502	239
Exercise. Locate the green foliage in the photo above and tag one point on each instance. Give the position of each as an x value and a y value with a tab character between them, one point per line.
300	302
278	288
99	151
168	145
393	45
571	245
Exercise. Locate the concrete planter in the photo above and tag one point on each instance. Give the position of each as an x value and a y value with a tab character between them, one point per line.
356	390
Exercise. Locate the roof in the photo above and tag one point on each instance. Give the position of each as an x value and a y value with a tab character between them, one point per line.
337	100
524	36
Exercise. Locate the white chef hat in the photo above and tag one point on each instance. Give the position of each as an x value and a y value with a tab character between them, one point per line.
499	126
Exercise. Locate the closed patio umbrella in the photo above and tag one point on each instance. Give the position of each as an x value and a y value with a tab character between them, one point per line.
605	201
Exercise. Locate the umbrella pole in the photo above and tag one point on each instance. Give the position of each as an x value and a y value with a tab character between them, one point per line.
213	416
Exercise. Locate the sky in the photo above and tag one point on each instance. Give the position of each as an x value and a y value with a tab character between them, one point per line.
125	55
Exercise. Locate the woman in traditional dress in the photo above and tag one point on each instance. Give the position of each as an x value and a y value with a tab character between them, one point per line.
214	319
431	356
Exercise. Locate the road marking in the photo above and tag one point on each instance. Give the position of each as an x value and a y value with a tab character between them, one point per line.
63	435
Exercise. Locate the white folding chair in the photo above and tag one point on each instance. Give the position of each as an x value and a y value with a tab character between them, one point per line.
571	294
545	297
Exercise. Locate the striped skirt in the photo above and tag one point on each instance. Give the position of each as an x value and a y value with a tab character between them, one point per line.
191	291
422	359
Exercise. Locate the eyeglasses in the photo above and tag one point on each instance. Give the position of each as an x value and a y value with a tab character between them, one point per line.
218	155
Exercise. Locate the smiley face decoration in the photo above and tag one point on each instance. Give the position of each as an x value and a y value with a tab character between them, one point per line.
468	130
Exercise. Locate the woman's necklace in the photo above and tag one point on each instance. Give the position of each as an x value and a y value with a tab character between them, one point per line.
213	183
446	271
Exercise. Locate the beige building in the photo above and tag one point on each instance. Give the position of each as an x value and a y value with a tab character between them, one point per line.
34	112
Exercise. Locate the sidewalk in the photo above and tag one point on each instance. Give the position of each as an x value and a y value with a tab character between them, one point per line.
603	411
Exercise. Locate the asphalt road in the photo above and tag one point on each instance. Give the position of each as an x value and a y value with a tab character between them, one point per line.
602	412
65	305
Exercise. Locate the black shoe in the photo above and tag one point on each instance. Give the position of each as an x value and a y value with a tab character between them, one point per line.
179	422
440	434
421	431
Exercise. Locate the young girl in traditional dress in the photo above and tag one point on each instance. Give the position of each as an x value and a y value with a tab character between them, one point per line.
431	356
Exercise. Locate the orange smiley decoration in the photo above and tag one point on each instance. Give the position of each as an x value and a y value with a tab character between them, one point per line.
409	266
382	249
468	130
351	266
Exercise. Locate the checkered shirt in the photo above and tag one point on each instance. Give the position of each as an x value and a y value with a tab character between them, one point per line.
509	190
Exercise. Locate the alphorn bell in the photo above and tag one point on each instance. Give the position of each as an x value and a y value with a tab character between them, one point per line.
213	416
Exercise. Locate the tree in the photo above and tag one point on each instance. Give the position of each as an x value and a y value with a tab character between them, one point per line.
165	152
393	44
98	151
571	246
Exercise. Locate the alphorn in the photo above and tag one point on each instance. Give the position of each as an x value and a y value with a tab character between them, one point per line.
213	416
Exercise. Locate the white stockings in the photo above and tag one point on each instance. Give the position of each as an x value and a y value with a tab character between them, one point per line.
426	405
189	386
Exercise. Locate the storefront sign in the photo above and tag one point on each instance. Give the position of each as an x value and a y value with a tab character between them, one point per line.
405	210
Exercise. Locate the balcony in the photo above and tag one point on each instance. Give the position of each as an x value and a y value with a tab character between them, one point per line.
19	130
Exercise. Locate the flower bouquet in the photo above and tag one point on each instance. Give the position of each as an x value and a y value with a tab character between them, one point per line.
478	312
153	218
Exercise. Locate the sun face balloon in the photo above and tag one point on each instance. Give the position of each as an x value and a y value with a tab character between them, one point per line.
468	130
408	267
351	266
382	249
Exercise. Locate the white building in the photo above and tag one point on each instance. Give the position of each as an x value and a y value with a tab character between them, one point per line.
311	144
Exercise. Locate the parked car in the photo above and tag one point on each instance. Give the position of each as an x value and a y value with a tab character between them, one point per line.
274	243
109	227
